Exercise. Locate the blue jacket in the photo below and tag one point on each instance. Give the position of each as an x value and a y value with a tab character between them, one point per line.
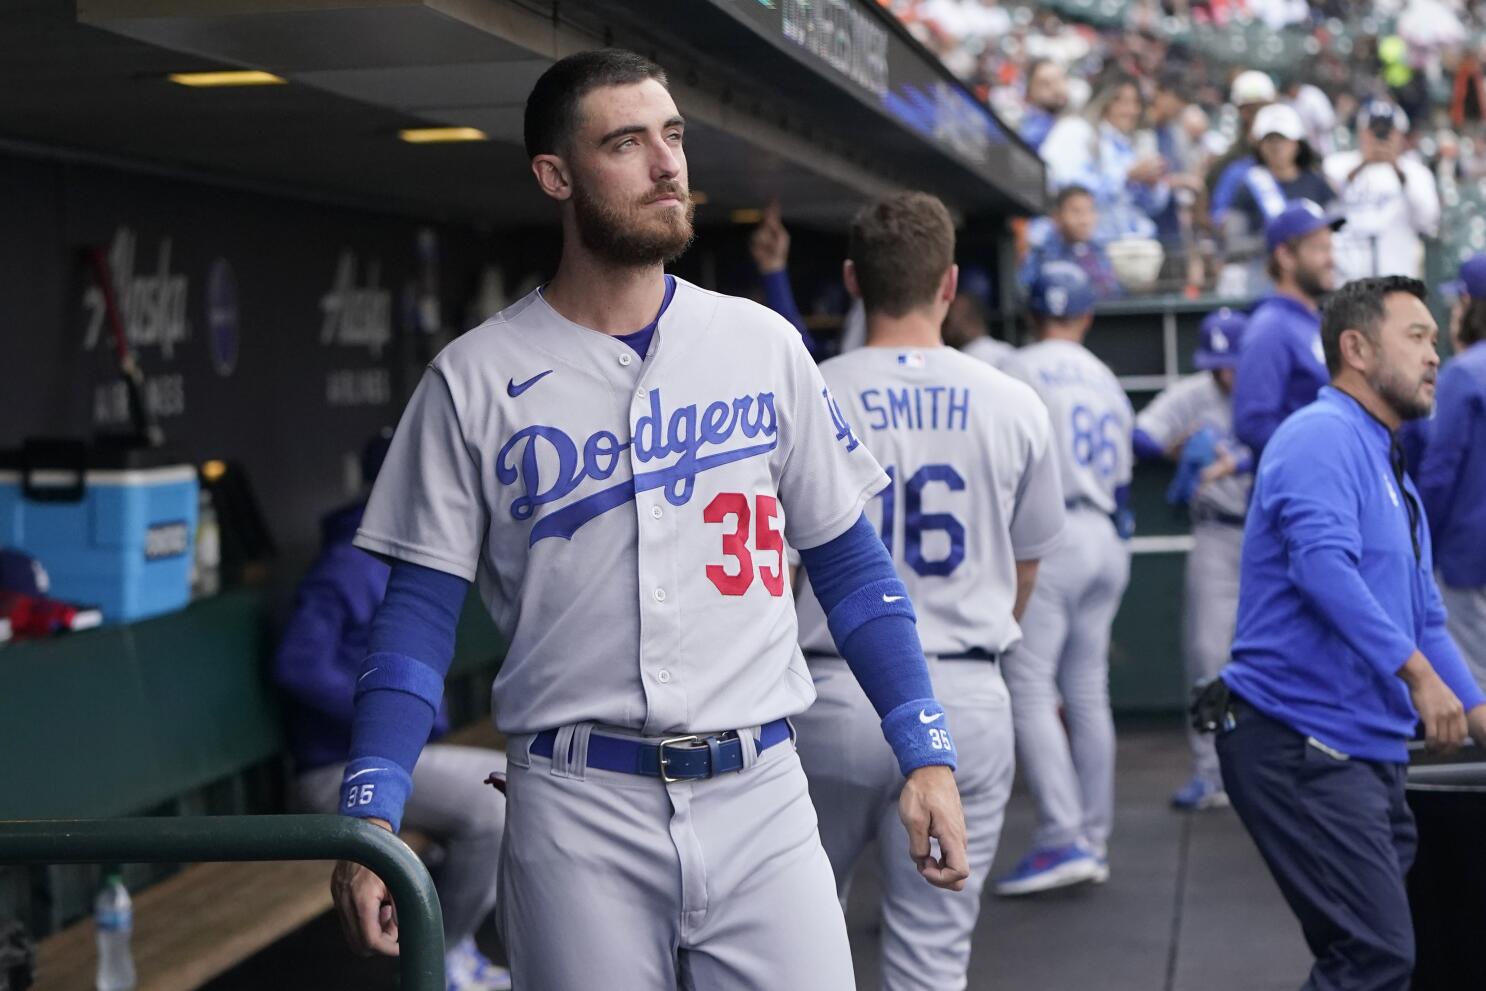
1227	186
1281	368
325	643
1333	598
1452	475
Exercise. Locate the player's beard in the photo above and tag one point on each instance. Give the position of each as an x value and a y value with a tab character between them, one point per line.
1403	395
1314	284
635	235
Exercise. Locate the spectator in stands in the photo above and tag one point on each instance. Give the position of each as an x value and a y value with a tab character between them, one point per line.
1075	218
1251	92
1174	143
1047	98
1316	112
322	650
1388	196
1284	170
1105	152
1282	365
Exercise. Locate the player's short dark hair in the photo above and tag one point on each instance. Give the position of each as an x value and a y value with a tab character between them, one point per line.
552	107
1069	192
1358	305
1473	323
900	247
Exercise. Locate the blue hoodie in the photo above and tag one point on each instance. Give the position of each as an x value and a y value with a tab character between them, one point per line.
1452	474
1280	370
1335	593
325	644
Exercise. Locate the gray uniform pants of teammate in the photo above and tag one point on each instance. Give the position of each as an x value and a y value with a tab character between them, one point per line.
452	804
1208	621
855	782
619	881
1466	621
1065	653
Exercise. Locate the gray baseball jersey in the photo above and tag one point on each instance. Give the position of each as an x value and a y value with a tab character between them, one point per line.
626	519
1211	605
1092	418
989	350
626	522
975	488
1186	406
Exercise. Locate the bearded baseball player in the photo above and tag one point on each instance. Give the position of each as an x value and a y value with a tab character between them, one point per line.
974	503
618	461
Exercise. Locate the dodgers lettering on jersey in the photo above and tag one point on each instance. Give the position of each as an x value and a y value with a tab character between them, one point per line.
1195	403
974	488
626	520
1091	415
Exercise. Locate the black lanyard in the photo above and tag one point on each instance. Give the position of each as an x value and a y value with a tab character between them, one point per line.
1400	465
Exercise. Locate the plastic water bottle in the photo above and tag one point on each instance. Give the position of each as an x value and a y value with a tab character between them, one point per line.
114	914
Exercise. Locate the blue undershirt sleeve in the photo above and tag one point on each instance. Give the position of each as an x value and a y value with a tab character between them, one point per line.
1146	447
779	297
400	687
874	627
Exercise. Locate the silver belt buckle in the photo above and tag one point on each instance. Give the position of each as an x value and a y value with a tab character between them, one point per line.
693	738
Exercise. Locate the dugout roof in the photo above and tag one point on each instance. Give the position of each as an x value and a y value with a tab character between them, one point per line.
822	102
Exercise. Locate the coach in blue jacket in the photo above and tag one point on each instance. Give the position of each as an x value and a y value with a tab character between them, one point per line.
1341	646
1282	365
1452	477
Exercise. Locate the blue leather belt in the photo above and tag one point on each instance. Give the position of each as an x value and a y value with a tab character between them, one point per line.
678	758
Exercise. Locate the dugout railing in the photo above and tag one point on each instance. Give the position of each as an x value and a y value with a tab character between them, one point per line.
204	839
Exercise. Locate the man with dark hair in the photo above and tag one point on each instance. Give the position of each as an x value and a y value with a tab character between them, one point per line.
1283	364
1075	217
1341	647
1452	476
972	448
1047	98
624	501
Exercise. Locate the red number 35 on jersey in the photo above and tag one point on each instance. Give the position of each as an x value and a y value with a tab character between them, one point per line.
732	508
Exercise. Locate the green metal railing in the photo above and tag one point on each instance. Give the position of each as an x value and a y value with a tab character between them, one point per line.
198	839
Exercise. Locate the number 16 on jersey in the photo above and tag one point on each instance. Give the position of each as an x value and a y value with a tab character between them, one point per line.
917	523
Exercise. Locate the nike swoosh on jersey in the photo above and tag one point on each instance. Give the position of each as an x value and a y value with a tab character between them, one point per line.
514	388
369	770
892	598
925	718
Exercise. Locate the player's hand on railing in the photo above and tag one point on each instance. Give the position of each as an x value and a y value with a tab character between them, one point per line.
1439	709
364	906
1476	721
930	809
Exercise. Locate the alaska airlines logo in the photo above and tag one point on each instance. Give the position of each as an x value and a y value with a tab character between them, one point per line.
684	434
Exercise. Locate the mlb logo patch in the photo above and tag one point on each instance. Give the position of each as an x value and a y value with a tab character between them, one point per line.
911	359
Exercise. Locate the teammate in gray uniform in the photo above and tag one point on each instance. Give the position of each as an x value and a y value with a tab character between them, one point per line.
975	502
623	501
1065	634
1191	422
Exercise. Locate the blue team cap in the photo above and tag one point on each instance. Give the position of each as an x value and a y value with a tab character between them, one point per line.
1297	219
1472	280
1219	340
1061	289
976	281
22	573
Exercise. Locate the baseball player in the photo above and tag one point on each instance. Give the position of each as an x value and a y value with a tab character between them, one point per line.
623	498
974	503
1064	651
1191	422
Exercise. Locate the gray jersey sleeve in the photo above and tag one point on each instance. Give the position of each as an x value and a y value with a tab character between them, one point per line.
1037	521
426	506
1172	415
828	473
